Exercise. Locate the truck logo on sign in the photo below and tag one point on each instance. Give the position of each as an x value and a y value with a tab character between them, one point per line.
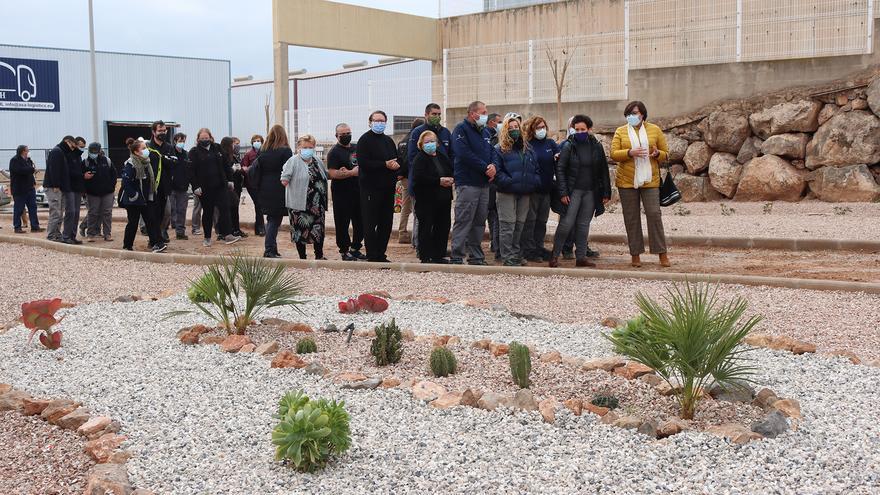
29	85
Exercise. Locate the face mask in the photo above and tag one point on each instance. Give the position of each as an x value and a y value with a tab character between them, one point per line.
515	134
145	153
181	146
541	133
257	144
482	119
307	153
430	148
159	138
434	120
82	148
571	131
581	136
236	149
633	120
345	140
93	156
205	143
378	127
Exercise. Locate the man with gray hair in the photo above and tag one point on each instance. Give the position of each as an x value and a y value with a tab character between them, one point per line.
346	193
473	171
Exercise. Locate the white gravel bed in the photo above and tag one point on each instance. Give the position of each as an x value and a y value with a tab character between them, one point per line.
199	421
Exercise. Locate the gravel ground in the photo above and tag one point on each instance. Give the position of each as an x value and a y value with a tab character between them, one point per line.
39	458
199	421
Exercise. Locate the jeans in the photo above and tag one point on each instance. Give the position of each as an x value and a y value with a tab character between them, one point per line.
56	213
100	214
72	202
28	200
196	214
178	200
578	217
347	211
535	227
377	208
471	210
512	212
270	242
259	223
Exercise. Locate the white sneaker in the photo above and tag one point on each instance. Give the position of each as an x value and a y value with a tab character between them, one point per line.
207	242
231	239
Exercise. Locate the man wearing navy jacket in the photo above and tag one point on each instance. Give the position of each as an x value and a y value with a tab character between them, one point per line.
473	171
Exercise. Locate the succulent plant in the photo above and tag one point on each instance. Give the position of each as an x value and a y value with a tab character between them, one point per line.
310	431
443	362
520	364
387	347
39	316
604	400
306	345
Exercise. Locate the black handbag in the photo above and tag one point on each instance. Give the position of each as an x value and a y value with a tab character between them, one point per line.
669	193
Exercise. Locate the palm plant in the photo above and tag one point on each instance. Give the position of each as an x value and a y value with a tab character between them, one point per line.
263	285
691	344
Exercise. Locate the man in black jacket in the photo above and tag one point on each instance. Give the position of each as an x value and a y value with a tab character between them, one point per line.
56	179
73	192
377	161
21	175
342	165
180	176
100	178
162	159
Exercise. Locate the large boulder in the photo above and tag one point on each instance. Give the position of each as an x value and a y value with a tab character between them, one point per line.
692	188
770	178
724	173
791	145
795	116
750	149
827	112
677	148
696	158
605	141
873	92
848	138
726	131
845	184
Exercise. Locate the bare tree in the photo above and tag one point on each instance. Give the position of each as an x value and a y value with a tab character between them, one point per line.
559	64
266	110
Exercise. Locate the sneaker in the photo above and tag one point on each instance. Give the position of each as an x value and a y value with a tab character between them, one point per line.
181	236
74	242
478	263
260	233
239	233
231	239
357	254
348	257
506	263
197	232
37	229
271	254
207	242
591	253
108	238
158	248
440	261
143	231
523	262
456	261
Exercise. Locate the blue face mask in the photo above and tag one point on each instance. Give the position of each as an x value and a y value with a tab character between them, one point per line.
93	156
482	120
633	120
256	145
378	127
307	153
181	146
581	136
430	148
541	133
145	153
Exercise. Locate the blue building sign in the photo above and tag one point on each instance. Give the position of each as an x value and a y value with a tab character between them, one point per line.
29	85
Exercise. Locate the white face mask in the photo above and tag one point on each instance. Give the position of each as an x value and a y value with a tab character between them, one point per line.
541	133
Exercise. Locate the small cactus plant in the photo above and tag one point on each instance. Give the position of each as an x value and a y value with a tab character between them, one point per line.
520	364
387	347
306	346
604	400
443	362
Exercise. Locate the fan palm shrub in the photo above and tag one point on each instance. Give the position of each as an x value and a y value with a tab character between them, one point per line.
263	285
692	344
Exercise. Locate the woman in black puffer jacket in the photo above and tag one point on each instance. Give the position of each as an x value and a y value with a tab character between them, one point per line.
211	182
265	177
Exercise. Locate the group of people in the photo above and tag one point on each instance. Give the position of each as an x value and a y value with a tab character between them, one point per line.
506	172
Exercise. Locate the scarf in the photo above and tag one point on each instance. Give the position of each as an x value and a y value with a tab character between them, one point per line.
643	173
143	170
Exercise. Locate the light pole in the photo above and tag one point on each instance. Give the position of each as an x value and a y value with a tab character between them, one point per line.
95	130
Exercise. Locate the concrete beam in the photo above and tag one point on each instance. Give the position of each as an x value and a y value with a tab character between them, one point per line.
282	82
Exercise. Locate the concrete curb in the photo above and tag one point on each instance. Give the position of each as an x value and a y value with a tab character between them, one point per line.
543	271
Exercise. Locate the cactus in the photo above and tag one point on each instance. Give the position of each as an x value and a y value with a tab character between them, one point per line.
443	362
520	364
306	346
603	400
387	347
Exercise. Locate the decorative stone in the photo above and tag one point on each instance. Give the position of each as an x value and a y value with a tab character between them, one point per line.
127	299
664	388
247	348
574	405
765	398
453	341
74	419
726	131
105	479
677	148
390	382
368	384
724	173
267	348
859	104
212	339
287	359
4	388
796	116
102	448
697	157
873	93
296	327
484	344
652	380
827	112
672	426
841	100
846	139
597	410
441	341
743	393
789	407
499	349
770	178
855	183
751	148
447	400
234	343
772	425
649	428
790	145
524	400
605	364
349	376
691	187
551	357
470	398
609	419
32	407
93	425
277	322
317	369
734	432
629	422
612	322
189	338
633	370
427	391
13	400
547	408
851	356
57	409
408	335
575	361
490	401
779	343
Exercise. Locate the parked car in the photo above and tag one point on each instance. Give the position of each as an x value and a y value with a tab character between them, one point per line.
41	197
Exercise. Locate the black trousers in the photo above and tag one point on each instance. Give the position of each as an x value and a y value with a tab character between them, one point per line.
377	209
347	211
259	223
301	250
215	198
135	213
234	203
156	210
433	213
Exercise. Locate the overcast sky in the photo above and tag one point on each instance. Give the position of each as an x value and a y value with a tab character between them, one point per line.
235	30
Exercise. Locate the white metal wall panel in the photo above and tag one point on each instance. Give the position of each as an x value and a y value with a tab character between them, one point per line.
249	110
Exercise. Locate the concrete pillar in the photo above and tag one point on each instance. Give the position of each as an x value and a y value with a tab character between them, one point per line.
281	87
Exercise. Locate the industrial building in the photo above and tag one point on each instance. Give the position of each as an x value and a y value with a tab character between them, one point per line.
45	95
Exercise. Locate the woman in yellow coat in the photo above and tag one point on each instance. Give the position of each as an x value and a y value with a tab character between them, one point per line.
639	147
